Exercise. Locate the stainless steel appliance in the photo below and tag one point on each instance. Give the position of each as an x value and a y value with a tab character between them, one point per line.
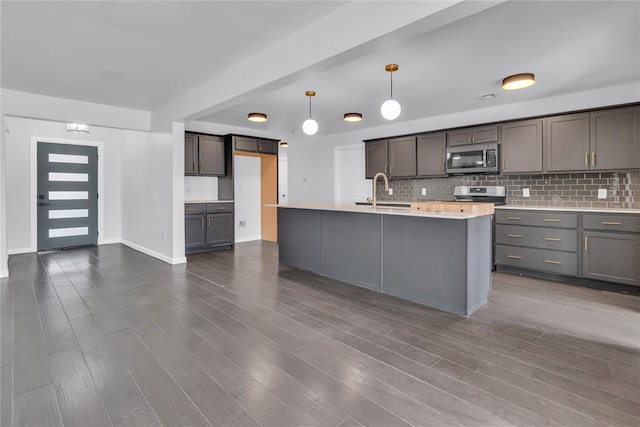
485	194
473	159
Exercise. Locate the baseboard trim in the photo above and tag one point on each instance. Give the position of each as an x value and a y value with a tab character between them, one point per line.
20	251
153	253
109	241
248	239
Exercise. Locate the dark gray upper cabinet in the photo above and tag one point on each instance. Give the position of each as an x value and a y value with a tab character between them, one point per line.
566	142
615	139
430	154
256	145
402	157
204	155
267	146
190	154
474	135
521	147
211	155
375	153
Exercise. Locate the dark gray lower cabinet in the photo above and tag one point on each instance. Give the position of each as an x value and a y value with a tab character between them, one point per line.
219	229
208	227
613	257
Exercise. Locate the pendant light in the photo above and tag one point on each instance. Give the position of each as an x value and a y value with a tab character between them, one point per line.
310	126
390	108
518	81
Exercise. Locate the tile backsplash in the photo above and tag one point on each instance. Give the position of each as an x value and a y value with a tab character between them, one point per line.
562	189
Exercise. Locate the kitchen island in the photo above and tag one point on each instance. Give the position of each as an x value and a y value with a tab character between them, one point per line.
442	260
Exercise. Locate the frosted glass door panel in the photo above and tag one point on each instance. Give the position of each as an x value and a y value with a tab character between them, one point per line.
68	213
68	232
68	158
68	177
68	195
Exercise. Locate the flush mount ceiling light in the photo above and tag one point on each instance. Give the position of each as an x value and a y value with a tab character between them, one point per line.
390	108
77	128
310	126
284	144
257	117
352	117
518	81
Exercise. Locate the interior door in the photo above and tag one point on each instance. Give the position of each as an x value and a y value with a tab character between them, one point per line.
67	196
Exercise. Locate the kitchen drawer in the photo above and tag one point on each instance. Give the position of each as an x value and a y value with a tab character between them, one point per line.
538	259
219	207
624	222
539	219
194	208
537	237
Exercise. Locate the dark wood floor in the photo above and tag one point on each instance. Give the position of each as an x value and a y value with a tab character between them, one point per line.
108	336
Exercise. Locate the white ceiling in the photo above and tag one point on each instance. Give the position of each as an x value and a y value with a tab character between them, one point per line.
165	48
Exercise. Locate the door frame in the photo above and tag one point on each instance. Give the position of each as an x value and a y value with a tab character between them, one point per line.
34	184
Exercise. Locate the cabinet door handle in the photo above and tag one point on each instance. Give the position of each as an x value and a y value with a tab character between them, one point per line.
586	243
514	235
209	222
193	166
548	261
514	218
610	223
593	158
552	239
514	256
200	166
201	222
551	220
504	162
586	159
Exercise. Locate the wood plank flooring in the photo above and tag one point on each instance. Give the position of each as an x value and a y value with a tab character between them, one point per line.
107	336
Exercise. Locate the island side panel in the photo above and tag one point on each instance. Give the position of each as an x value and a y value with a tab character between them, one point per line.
479	259
300	238
424	260
351	248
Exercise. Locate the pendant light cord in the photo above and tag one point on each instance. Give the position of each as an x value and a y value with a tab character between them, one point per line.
391	84
309	107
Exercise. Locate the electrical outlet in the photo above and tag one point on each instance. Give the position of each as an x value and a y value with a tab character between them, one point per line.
391	191
525	192
602	193
424	191
243	223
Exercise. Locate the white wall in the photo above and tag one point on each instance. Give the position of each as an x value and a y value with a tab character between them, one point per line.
4	269
311	174
20	169
153	195
198	188
23	104
247	198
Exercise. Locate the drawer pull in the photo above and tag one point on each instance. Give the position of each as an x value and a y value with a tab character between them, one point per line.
514	256
552	220
552	239
514	235
513	218
220	208
191	209
548	261
610	223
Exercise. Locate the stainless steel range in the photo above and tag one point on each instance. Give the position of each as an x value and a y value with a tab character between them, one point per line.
486	194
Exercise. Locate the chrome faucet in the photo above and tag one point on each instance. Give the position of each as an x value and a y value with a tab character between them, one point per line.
373	185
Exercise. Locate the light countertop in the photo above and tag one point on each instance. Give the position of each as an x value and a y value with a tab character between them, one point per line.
368	209
563	209
186	202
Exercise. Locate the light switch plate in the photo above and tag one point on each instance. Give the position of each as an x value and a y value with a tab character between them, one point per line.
391	191
525	192
424	191
602	193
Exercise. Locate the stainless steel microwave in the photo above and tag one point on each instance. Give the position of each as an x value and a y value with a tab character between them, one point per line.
473	159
